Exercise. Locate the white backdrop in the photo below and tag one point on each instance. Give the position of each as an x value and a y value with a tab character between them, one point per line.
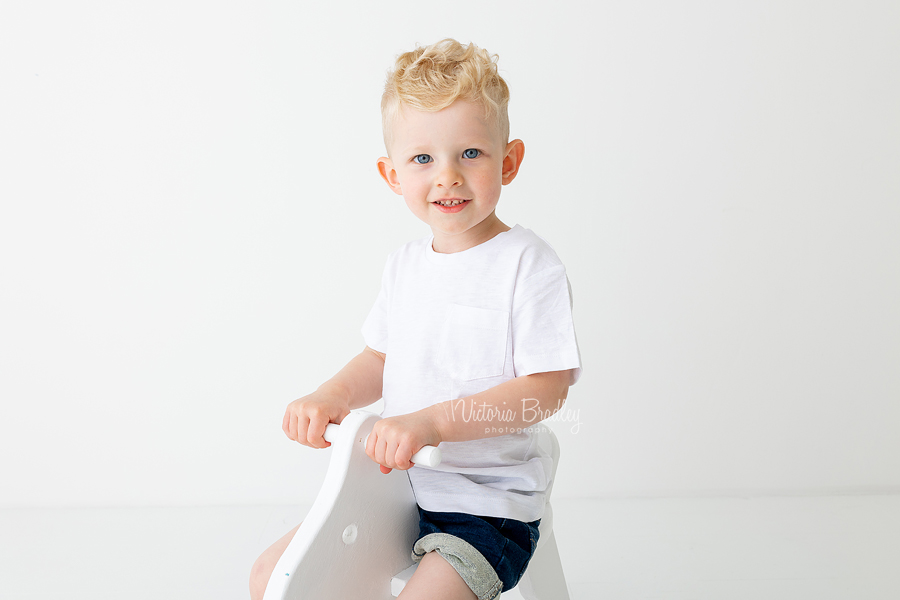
193	230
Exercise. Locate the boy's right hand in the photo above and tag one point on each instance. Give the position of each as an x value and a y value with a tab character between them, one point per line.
305	419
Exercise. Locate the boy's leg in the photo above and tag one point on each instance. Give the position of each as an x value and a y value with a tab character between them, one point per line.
265	564
435	579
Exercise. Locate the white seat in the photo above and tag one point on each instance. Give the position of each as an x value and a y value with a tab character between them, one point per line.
356	541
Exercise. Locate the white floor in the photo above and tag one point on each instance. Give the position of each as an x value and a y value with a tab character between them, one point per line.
818	548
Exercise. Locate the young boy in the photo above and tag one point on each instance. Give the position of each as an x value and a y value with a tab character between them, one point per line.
469	342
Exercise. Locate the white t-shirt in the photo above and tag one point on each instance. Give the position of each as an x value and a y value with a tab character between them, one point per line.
453	325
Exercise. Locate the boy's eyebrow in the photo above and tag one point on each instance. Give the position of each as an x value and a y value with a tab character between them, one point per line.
426	148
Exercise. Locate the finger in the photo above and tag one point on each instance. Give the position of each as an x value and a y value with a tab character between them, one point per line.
403	461
403	457
392	456
384	469
315	434
301	426
380	451
286	422
292	427
370	445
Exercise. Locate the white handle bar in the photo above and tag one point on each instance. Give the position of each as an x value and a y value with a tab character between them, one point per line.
429	456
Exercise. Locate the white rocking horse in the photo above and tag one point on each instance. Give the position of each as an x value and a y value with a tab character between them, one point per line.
356	541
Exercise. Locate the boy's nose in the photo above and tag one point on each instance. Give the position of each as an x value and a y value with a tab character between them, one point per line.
449	176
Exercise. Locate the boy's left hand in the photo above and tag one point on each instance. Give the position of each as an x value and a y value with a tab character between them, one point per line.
394	440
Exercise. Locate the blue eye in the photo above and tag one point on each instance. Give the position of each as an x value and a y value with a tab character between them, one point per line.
422	159
472	153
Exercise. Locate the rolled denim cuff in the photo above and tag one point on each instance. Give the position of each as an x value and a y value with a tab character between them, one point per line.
474	568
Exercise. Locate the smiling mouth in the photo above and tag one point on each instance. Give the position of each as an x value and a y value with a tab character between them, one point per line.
450	202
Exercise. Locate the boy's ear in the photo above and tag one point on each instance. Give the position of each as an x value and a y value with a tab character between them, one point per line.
387	172
515	152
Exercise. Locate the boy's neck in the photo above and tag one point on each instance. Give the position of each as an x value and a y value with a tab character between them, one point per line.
451	243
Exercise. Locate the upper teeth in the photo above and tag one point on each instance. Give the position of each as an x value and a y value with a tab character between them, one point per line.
449	202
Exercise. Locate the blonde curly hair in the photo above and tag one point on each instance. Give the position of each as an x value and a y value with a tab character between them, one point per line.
432	77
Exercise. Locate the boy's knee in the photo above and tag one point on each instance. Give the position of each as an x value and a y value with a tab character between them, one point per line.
259	576
265	564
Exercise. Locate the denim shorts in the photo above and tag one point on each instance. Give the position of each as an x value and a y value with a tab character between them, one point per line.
489	553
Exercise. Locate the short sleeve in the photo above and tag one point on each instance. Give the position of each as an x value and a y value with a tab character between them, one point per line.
375	327
543	331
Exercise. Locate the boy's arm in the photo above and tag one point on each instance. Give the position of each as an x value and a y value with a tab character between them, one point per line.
357	385
503	409
361	379
506	408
